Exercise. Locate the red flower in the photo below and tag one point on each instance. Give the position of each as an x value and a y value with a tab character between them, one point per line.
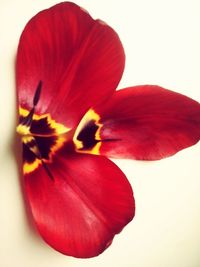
71	117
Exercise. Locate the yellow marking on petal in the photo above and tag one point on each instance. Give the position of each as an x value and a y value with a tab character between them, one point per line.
95	150
23	112
23	129
29	167
59	143
27	139
90	115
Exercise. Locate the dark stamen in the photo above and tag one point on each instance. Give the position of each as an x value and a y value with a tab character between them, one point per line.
28	119
37	94
47	170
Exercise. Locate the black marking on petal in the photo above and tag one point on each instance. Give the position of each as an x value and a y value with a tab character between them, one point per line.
28	155
41	127
87	135
44	145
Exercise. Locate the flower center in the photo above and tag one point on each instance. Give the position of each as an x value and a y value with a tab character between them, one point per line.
40	140
41	136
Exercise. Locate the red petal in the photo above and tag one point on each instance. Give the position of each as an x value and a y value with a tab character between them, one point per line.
148	122
88	202
79	61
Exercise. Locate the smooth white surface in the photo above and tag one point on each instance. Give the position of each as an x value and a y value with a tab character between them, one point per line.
162	45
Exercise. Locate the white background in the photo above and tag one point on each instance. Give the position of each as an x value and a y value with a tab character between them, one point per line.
162	44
